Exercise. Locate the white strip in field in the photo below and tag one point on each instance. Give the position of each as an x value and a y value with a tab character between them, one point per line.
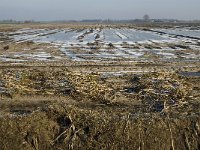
101	44
69	35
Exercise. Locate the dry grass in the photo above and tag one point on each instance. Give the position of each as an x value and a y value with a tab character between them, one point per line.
64	126
160	91
60	83
88	118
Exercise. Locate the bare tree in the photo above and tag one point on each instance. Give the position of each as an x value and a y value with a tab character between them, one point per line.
146	17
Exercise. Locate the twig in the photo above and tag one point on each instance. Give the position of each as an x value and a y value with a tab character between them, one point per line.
171	134
58	137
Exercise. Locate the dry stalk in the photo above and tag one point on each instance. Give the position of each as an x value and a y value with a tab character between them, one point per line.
171	134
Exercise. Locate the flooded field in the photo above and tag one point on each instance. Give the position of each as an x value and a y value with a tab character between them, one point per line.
77	86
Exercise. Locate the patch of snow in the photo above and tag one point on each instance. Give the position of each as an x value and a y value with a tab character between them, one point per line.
167	55
10	59
121	35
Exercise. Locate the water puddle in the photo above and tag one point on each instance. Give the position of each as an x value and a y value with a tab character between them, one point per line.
190	74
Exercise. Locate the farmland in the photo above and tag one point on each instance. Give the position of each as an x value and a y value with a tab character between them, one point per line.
72	86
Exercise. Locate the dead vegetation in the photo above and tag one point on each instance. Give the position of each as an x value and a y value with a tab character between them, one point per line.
87	117
61	83
64	126
91	86
160	91
34	82
157	91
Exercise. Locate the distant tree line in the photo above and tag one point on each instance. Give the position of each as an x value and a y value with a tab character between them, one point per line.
15	21
146	18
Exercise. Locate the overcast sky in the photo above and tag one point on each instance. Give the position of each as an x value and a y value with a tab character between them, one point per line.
98	9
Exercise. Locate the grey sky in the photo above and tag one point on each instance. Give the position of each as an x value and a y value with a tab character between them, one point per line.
98	9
